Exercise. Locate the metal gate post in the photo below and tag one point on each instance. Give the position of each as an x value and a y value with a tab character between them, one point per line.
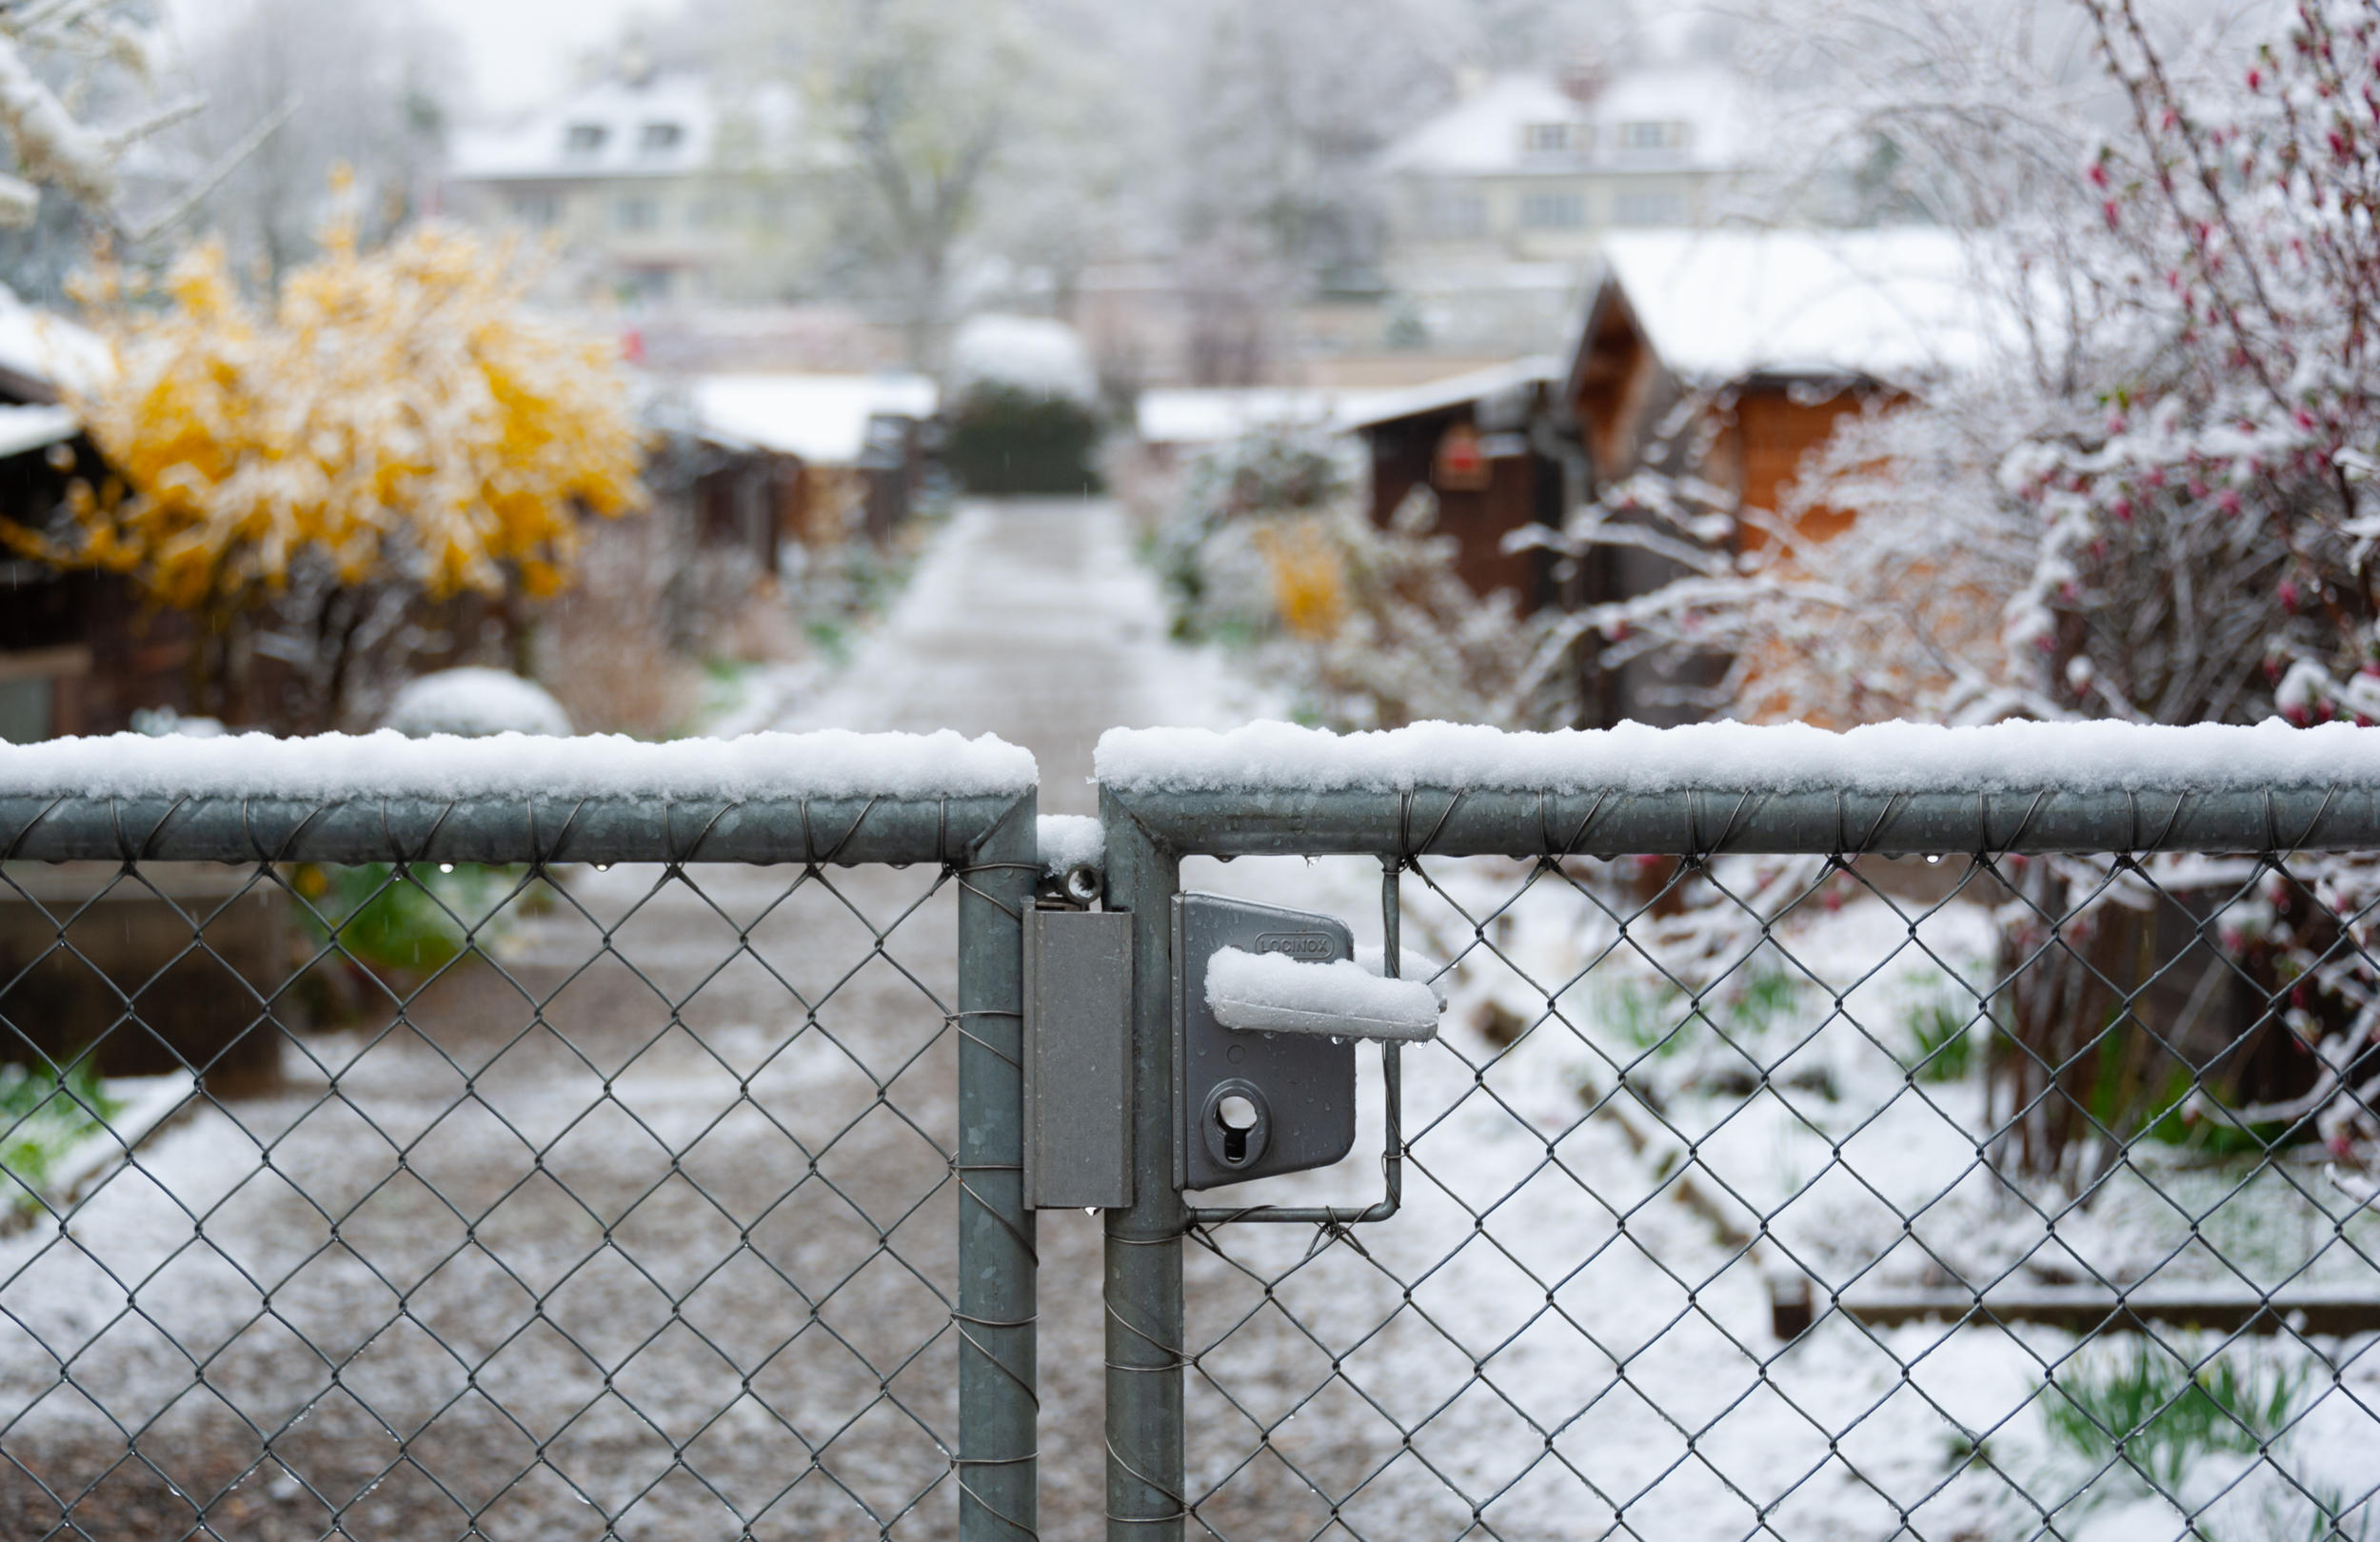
997	1398
1143	1284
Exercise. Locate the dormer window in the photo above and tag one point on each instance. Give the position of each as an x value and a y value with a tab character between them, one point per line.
660	138
1556	138
586	138
1654	135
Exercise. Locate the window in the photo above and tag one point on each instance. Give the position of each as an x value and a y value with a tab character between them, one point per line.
1649	208
1553	210
538	211
636	211
660	138
1664	135
586	138
1454	215
1556	139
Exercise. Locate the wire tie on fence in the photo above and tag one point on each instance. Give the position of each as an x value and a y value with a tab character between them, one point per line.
708	825
17	840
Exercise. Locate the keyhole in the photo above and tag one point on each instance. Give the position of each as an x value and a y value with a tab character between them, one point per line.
1237	1115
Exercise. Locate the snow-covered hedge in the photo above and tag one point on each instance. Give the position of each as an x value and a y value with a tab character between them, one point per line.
472	703
1032	355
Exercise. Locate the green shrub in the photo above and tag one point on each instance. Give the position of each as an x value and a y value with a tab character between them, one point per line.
1942	1040
416	920
2145	1407
43	1117
1004	438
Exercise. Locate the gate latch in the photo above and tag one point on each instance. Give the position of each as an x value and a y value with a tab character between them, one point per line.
1268	1004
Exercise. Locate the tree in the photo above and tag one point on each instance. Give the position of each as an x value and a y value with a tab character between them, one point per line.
2153	502
358	86
396	425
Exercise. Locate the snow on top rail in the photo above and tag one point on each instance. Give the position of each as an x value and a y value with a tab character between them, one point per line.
1741	758
834	763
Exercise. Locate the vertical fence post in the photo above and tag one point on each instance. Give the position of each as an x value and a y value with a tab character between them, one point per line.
1143	1284
997	1399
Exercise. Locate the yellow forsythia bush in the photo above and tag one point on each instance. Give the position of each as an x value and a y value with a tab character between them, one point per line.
404	415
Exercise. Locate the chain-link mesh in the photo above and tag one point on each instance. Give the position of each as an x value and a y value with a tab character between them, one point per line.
428	1199
1828	1196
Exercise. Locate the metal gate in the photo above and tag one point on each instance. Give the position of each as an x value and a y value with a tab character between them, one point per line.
592	1141
582	1147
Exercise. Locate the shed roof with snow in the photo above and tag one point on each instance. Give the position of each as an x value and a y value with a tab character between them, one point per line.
1210	415
1516	376
1718	305
822	420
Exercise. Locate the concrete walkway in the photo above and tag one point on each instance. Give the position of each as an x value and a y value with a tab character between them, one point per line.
1029	620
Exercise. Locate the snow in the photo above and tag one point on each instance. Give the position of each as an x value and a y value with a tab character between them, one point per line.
50	350
1484	135
822	418
1069	841
1473	385
1720	305
1756	758
1030	353
51	147
474	703
1212	415
828	763
1273	992
24	428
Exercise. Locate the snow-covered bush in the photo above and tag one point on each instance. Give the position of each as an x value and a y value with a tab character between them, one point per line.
306	473
1273	548
1029	355
474	703
1025	414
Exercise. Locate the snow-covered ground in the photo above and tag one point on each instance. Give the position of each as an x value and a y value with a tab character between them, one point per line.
1567	1330
473	1248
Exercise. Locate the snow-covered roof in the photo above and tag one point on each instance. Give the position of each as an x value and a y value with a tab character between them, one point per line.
1209	415
1487	133
50	350
822	419
1472	386
1721	305
667	123
24	428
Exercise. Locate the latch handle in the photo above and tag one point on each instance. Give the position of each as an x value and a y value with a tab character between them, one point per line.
1273	992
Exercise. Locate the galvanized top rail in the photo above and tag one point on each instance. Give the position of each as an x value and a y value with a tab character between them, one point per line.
1701	823
827	831
1892	789
827	798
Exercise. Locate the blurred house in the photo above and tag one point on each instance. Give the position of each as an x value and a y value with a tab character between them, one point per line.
1723	358
813	459
1770	338
1485	444
1496	208
658	187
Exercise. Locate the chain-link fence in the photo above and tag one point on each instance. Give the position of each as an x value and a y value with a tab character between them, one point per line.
520	1167
2015	1183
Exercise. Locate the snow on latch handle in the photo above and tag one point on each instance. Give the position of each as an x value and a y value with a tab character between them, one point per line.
1272	992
